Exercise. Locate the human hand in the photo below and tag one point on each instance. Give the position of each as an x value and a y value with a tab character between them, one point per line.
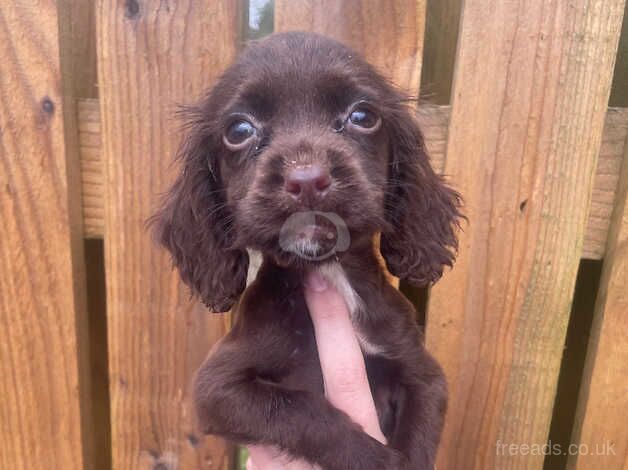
344	372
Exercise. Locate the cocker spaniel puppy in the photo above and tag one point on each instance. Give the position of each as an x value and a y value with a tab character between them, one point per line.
303	152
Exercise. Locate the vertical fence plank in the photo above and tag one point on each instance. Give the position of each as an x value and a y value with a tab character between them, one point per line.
530	90
388	32
601	416
151	57
42	284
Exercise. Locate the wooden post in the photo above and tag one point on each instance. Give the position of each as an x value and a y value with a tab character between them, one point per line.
530	90
153	56
389	33
600	428
43	383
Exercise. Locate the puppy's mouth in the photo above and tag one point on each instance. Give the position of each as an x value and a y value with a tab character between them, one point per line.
314	235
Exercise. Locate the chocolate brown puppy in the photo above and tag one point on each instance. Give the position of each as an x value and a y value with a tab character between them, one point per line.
303	152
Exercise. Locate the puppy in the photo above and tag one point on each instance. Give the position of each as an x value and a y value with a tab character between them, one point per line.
303	152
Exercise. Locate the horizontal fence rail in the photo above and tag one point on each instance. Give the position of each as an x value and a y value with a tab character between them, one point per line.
435	120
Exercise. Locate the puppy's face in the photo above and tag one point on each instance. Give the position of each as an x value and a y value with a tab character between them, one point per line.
300	150
304	153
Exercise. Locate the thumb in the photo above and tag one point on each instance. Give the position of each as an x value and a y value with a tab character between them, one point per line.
342	363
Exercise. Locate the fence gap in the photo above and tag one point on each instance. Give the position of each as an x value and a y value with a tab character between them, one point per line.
619	90
418	297
439	55
98	358
78	59
259	18
77	53
572	365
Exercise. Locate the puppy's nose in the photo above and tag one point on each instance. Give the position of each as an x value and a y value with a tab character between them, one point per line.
307	182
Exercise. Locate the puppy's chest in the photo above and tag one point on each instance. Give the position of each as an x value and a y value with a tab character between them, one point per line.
303	370
358	310
301	329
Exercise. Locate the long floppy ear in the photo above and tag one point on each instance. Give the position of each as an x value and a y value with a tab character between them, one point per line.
194	224
423	213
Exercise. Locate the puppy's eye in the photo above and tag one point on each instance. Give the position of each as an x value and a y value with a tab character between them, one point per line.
365	119
238	133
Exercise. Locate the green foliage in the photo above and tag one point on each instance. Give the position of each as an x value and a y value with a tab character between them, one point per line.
241	457
261	18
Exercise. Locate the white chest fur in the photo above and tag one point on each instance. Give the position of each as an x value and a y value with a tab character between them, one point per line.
337	277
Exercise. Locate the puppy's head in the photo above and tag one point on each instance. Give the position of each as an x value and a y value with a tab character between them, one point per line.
300	150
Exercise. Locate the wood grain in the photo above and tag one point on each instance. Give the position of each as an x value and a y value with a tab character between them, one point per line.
92	172
388	32
601	416
42	303
529	96
605	182
151	57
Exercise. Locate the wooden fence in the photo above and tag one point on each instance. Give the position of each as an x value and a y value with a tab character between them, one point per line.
521	127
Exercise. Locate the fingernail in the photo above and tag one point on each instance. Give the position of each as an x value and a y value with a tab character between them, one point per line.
315	281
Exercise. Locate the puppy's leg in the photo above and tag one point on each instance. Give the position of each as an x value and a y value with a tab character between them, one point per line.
420	413
236	400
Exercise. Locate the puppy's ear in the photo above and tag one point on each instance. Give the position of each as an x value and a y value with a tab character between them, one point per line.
194	224
423	213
